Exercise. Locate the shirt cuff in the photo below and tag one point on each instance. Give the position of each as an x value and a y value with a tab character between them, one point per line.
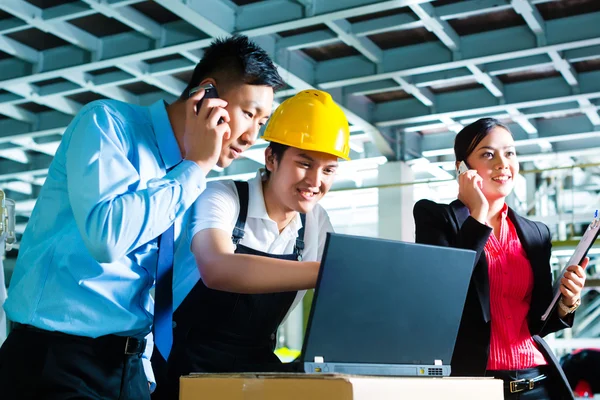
149	374
191	178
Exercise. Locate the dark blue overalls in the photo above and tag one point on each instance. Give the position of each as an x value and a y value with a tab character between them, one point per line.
218	331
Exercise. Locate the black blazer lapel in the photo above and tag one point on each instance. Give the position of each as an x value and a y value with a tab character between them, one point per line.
532	241
535	244
529	235
480	276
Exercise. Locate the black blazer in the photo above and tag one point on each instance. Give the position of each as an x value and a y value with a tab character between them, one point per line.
451	225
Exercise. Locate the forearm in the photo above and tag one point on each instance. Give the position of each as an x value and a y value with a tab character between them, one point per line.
432	228
146	362
562	314
557	321
113	227
249	274
473	235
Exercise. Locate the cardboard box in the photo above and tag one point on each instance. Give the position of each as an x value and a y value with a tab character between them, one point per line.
334	387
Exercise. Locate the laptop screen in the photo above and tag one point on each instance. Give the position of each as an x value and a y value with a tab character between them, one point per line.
387	302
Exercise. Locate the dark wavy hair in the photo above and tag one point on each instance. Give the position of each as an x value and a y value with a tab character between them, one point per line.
234	60
470	136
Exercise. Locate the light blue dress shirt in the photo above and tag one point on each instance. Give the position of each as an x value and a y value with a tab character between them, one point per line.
87	260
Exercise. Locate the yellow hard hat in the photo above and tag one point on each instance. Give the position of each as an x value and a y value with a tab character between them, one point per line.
310	120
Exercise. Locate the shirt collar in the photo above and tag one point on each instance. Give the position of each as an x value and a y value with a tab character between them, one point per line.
256	203
165	137
504	211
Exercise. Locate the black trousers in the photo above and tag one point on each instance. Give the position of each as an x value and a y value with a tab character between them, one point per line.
36	364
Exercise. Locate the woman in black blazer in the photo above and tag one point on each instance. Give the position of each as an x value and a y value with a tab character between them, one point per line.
488	148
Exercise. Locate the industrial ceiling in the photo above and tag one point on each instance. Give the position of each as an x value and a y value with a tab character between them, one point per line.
409	73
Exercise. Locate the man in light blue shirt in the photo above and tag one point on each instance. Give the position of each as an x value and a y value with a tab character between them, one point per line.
122	176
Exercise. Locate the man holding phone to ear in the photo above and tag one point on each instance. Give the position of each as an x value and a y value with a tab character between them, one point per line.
108	221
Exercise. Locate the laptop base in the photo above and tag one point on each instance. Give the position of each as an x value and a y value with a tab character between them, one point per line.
377	369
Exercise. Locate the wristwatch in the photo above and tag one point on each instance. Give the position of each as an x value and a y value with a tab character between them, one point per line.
566	309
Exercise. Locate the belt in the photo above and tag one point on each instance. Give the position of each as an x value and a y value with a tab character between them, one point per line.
521	385
134	346
128	345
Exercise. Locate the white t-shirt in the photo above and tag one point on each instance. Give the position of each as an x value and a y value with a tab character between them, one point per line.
218	208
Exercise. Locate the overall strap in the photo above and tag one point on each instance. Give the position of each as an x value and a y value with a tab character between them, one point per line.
243	196
299	247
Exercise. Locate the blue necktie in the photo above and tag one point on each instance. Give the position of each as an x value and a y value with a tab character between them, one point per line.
163	303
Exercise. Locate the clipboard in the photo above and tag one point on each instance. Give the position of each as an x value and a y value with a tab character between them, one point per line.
585	244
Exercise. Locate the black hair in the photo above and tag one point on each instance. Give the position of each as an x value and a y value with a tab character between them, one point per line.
277	150
470	136
235	59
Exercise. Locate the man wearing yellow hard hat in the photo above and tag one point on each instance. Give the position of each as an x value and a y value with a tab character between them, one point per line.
248	239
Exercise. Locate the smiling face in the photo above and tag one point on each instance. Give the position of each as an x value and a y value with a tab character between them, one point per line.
495	160
300	178
249	107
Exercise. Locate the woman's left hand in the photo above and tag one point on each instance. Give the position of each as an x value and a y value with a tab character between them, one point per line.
572	283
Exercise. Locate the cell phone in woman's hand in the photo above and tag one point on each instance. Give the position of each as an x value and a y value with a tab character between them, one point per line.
463	167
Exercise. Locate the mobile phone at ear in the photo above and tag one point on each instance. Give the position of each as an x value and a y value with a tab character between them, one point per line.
210	92
462	167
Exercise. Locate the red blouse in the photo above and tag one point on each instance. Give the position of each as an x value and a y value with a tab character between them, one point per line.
511	285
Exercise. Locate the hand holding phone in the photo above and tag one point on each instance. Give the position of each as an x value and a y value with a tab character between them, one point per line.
470	193
206	124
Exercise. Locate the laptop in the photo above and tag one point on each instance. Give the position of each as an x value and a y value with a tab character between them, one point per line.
384	307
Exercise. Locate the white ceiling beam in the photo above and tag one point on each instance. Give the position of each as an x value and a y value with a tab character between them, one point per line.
590	111
18	113
570	75
479	104
193	55
432	67
522	120
28	143
24	207
526	157
64	30
491	83
451	124
86	81
141	71
365	46
530	14
129	16
19	50
19	175
202	15
479	54
424	95
28	92
322	18
18	186
564	67
437	26
15	154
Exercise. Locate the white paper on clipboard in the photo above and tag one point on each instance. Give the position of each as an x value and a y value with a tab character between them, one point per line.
581	250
